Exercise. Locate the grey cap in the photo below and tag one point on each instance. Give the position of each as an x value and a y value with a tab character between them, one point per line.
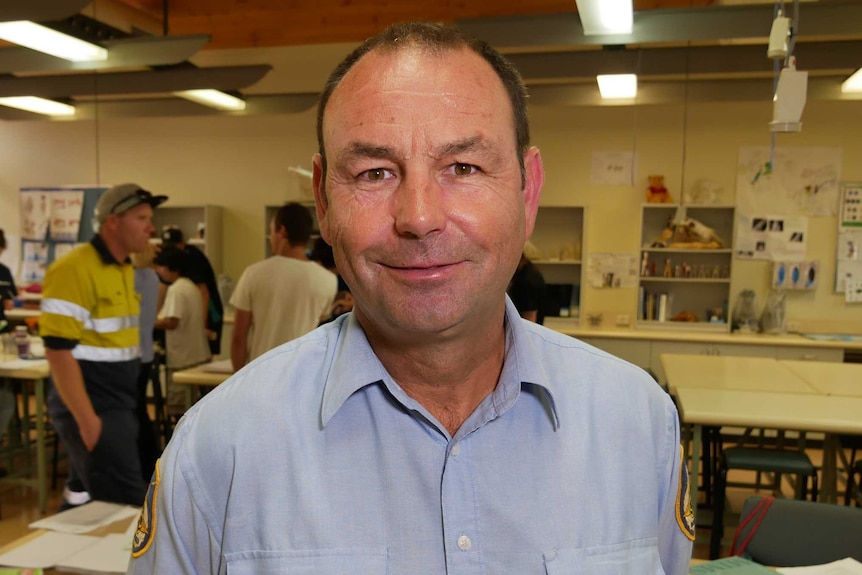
122	198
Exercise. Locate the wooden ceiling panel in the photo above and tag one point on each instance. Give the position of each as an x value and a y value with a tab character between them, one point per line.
267	23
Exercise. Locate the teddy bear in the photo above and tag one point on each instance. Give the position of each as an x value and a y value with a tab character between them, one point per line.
656	192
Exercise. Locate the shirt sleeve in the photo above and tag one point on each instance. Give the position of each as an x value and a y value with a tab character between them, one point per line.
173	534
241	298
173	305
67	301
676	521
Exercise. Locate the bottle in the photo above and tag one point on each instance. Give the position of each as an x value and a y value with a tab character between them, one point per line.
22	341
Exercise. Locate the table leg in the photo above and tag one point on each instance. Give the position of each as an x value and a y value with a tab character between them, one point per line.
41	463
829	483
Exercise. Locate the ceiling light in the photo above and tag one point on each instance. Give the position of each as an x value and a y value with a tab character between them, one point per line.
39	105
618	85
605	16
44	39
213	98
853	84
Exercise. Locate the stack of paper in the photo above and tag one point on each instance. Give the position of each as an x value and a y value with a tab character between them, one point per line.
47	550
847	566
109	555
85	518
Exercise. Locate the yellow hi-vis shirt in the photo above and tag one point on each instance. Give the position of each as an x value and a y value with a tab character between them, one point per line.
89	305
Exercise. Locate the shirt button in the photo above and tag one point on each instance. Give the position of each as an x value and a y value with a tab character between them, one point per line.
464	542
456	449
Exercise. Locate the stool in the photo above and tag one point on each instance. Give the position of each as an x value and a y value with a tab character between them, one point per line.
776	461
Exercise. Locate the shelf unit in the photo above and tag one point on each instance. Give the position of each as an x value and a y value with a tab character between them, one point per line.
269	212
558	235
189	219
693	280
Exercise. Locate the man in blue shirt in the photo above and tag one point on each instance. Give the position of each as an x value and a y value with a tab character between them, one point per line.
431	430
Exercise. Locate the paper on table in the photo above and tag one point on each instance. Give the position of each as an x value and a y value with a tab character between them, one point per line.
109	555
730	566
221	366
46	550
848	566
86	517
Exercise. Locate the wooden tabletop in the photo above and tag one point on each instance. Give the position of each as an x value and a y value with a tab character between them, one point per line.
199	376
732	373
797	411
829	378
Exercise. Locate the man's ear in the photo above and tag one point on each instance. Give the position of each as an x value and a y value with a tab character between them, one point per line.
318	183
534	173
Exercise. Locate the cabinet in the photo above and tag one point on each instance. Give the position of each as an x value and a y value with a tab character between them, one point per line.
201	227
674	280
269	213
558	239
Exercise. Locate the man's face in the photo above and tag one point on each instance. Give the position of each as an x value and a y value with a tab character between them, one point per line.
274	237
422	200
166	274
134	227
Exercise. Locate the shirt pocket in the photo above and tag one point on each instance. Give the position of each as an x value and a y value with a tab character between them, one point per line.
309	562
637	557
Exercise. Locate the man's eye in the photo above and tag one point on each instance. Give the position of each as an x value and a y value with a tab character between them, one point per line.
463	169
376	175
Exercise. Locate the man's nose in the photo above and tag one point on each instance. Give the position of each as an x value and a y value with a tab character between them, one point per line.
419	206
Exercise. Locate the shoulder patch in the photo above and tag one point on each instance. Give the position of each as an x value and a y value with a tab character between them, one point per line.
146	530
684	512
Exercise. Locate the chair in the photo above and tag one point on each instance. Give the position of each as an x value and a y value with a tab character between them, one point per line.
768	460
797	533
854	485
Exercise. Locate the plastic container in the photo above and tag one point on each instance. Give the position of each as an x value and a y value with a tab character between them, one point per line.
22	341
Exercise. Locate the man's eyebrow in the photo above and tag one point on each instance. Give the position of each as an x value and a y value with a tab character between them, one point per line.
470	144
366	150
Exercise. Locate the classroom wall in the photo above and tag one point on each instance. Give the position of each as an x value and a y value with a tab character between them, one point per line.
241	163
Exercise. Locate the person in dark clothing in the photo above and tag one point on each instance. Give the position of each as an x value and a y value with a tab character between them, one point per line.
527	290
7	288
200	271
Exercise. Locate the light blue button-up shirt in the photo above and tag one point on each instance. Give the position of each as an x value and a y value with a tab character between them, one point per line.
313	460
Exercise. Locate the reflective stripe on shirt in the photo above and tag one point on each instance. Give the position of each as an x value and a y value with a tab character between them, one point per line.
100	325
92	353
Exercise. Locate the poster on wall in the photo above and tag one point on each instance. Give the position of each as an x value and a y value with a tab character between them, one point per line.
848	256
34	261
66	209
612	270
612	168
771	237
35	215
796	181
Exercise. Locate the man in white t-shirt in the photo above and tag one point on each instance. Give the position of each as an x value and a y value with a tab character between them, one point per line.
181	316
284	296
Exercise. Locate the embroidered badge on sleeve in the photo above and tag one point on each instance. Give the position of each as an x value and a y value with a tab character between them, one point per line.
684	512
146	530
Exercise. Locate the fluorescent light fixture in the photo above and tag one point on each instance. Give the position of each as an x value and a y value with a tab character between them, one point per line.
44	39
214	99
618	85
853	84
600	17
38	105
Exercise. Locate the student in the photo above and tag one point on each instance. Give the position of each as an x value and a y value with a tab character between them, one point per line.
182	319
8	292
430	430
527	290
200	272
147	287
284	296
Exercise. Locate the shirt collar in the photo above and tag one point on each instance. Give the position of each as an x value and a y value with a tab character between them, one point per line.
104	252
354	366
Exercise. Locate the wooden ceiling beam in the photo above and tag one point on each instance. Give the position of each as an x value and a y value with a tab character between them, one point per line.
267	23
